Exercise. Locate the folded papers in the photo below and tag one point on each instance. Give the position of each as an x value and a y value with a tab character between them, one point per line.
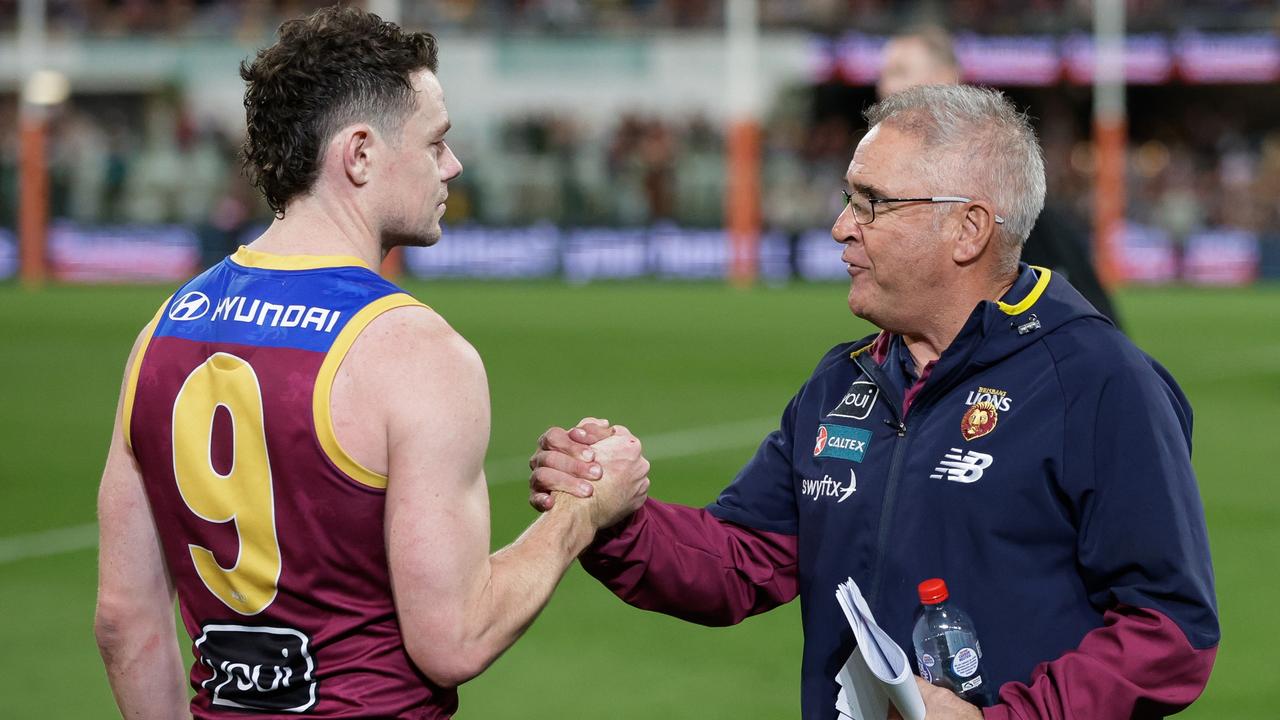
877	673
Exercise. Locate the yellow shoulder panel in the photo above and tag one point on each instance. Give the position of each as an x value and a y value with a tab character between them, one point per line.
131	385
321	411
245	257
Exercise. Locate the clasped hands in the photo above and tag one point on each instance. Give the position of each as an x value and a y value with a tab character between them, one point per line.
601	469
599	465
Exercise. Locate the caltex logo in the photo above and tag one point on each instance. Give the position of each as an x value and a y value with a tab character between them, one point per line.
192	306
841	441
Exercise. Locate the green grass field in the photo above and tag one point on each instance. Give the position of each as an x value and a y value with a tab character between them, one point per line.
698	372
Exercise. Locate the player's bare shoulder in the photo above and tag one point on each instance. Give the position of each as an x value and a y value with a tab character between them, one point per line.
410	344
408	369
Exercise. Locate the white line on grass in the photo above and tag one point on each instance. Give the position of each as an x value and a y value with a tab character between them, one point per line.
660	446
48	542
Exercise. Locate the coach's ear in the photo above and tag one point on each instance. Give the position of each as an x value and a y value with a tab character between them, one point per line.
355	143
976	230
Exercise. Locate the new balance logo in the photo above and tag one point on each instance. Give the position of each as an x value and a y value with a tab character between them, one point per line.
961	466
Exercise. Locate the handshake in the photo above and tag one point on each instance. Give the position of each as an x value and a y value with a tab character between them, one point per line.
597	469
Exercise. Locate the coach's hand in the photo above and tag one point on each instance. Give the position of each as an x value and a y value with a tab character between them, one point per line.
624	485
564	462
941	704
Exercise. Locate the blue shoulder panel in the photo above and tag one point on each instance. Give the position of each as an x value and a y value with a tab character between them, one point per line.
301	309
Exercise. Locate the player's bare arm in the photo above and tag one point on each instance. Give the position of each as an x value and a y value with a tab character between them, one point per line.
412	381
133	622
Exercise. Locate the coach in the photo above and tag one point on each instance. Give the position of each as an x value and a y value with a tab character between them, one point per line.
997	432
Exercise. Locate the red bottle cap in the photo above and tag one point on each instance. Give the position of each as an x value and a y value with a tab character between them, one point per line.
933	591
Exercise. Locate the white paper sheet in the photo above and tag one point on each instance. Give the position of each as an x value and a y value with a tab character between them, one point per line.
877	673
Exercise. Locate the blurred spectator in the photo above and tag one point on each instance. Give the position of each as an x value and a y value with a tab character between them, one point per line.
699	175
923	57
8	165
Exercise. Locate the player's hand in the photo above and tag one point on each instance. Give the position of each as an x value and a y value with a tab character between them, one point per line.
564	462
625	483
942	704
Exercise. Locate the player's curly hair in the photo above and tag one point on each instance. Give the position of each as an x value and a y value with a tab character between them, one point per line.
329	69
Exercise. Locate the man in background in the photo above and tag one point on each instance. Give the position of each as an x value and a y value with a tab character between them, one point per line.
922	57
298	454
1058	240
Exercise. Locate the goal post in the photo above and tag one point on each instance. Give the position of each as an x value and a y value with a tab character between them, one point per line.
743	139
1110	138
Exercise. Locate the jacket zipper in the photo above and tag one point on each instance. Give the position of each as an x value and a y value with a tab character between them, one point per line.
891	486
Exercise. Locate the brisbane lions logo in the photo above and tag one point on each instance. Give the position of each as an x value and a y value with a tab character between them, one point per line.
979	420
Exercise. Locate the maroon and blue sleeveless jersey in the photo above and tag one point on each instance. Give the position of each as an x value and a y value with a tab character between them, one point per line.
272	533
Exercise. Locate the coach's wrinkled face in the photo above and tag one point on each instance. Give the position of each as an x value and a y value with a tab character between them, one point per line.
415	184
895	260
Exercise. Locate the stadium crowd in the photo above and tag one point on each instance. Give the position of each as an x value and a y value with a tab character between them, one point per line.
146	158
257	18
148	163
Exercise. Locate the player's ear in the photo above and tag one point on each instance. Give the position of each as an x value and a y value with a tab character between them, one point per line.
356	143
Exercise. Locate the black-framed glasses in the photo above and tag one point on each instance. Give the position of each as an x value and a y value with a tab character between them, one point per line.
864	208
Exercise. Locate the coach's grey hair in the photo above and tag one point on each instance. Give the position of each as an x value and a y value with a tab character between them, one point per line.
977	144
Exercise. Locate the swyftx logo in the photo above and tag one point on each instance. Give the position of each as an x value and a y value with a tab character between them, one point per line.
827	488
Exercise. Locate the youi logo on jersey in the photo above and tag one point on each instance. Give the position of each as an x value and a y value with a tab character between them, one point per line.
857	401
258	668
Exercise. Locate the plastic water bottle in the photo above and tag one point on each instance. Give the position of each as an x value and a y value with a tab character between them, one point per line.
947	649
